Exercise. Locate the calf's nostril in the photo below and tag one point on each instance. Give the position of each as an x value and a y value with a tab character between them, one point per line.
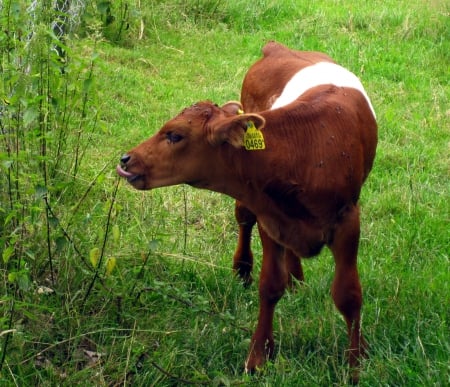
124	159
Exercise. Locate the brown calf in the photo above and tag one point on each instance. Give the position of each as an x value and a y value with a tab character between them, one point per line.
297	166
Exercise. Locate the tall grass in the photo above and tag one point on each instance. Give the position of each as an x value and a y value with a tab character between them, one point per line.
109	286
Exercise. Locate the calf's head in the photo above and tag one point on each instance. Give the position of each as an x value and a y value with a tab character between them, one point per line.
186	148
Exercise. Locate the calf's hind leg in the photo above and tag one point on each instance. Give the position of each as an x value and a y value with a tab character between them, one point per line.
346	288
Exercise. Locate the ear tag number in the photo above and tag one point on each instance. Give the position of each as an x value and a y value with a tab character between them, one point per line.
253	138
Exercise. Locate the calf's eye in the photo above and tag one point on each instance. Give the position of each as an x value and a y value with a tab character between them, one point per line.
173	137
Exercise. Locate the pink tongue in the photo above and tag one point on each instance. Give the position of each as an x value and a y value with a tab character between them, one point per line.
123	173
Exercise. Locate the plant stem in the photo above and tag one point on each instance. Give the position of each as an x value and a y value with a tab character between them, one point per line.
105	238
8	335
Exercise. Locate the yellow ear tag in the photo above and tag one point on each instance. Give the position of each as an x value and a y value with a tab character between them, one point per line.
253	138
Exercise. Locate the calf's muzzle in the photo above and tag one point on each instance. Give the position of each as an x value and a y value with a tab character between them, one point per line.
132	177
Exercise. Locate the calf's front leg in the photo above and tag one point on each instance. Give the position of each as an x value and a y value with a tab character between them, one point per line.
272	284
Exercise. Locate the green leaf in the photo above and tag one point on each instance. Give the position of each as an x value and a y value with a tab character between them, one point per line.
94	255
12	277
7	254
116	233
40	191
23	281
87	83
30	115
10	217
104	6
110	265
60	243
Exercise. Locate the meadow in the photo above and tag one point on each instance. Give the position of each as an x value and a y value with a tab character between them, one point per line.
104	285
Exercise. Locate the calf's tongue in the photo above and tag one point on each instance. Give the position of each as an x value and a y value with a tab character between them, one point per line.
123	173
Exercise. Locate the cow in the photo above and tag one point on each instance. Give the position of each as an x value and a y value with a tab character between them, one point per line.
294	155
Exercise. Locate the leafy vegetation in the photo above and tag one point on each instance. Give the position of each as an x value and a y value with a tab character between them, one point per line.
110	286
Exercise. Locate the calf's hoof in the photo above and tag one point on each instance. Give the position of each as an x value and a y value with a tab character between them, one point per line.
258	355
244	272
354	358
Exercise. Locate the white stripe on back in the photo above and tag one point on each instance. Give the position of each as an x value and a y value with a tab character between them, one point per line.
322	73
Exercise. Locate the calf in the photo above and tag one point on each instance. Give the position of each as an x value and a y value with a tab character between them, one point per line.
297	166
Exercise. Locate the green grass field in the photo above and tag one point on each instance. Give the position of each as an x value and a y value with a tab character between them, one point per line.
108	286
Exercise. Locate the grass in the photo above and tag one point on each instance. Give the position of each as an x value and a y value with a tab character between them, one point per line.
170	311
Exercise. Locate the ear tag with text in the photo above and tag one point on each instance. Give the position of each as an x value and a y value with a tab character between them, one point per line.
253	138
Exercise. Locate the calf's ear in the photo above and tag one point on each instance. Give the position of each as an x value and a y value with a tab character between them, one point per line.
233	107
232	129
258	120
